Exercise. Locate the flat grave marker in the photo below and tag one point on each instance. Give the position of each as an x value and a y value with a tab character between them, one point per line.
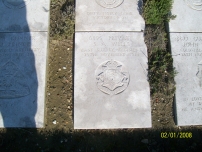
22	79
24	15
188	18
110	82
187	54
109	15
23	55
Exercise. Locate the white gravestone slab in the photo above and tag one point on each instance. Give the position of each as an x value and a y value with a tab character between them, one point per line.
22	79
110	82
24	15
109	15
187	55
188	18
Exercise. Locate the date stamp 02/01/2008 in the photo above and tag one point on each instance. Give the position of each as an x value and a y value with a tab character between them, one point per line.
176	135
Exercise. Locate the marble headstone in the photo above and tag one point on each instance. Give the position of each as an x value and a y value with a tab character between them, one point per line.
22	79
110	82
188	18
109	15
187	54
24	15
23	54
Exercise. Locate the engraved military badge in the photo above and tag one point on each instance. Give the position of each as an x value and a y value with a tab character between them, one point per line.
109	3
199	73
112	77
194	4
15	4
12	82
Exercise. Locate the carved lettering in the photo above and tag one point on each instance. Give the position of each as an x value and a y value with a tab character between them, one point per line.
193	104
89	54
186	54
21	38
120	38
184	109
196	109
191	50
121	44
189	44
197	38
109	13
196	98
103	17
198	54
95	38
180	38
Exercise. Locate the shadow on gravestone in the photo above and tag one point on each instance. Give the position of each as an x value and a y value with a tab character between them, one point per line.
18	78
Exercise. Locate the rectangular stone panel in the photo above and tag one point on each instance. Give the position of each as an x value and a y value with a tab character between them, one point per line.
187	55
188	18
24	15
110	81
22	79
109	15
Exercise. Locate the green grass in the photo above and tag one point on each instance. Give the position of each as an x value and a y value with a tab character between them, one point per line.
161	72
157	11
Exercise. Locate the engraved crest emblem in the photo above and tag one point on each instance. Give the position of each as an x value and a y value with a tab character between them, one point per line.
199	73
109	3
112	77
194	4
12	82
15	4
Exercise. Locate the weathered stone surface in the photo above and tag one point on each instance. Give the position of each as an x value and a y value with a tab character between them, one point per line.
188	18
24	15
109	15
110	82
22	79
187	55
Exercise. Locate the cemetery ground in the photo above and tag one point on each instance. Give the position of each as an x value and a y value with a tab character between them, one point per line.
58	133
